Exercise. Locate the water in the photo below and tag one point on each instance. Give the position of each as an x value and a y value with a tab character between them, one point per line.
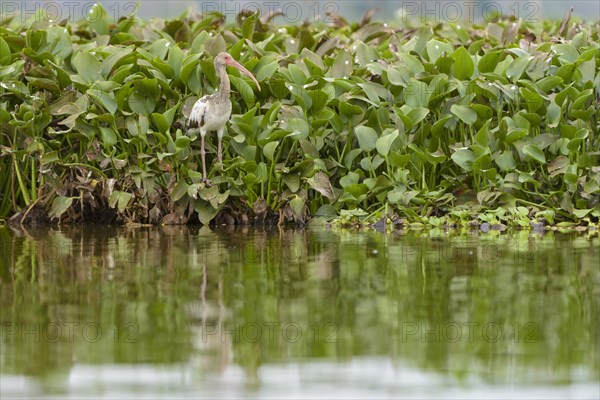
180	312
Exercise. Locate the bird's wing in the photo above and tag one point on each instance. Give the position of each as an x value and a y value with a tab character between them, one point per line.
196	119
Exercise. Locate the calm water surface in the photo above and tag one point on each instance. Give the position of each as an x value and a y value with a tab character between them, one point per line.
191	313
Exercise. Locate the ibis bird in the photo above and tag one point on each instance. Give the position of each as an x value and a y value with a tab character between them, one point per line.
211	112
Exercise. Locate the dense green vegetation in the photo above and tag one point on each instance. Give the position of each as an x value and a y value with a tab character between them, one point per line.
436	124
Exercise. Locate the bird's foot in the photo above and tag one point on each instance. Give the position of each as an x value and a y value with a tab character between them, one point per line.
207	182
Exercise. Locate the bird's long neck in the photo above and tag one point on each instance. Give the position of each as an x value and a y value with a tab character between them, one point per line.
224	87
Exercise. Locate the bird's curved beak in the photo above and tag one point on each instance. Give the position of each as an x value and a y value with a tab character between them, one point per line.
239	66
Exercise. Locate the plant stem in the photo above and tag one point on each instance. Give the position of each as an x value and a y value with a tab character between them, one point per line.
82	165
21	184
33	180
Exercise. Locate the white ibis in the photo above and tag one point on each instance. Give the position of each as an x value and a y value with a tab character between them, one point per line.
211	112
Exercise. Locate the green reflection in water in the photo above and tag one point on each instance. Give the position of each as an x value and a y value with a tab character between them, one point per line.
511	308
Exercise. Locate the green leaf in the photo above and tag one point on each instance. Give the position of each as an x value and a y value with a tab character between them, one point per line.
206	212
208	193
297	206
348	109
566	53
365	53
49	157
463	64
244	90
107	136
292	181
534	152
489	61
385	142
180	189
106	100
565	72
417	94
182	142
266	67
97	19
269	150
506	161
5	53
144	98
119	199
215	45
533	100
464	113
417	115
515	134
59	206
87	66
175	60
398	76
482	137
199	41
481	163
517	67
367	138
43	83
320	182
436	49
538	67
299	128
248	152
248	25
342	65
581	213
553	115
548	83
464	158
413	63
583	100
112	60
297	74
161	122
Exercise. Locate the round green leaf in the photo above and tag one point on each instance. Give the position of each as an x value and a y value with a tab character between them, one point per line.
59	206
87	66
464	113
506	161
269	150
463	64
464	158
534	152
384	143
367	138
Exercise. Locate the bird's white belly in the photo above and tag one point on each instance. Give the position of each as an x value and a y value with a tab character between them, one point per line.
215	119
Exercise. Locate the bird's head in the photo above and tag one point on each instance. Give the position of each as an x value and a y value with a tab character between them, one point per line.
224	59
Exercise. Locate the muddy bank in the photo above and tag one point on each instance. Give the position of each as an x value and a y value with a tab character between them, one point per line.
37	216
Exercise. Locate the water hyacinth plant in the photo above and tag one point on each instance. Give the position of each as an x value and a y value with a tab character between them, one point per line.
435	124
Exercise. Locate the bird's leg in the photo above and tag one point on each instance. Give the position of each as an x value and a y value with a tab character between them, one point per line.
203	155
219	149
220	154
